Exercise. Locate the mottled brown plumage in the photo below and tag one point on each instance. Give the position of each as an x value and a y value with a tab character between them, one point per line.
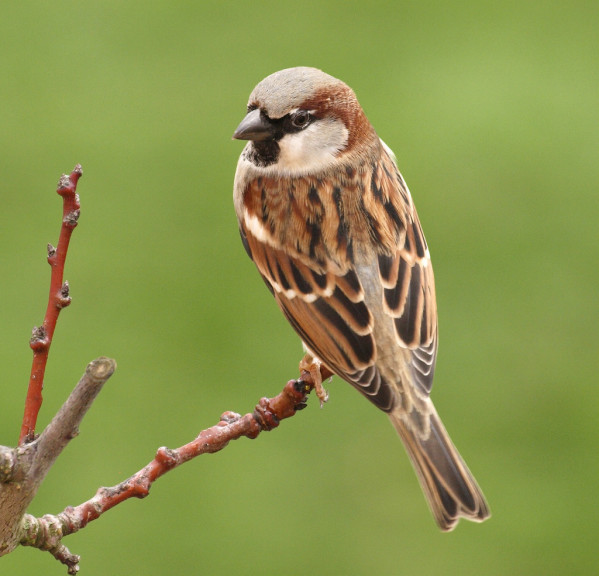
330	224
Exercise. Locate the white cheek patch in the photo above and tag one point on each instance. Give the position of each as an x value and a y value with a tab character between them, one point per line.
314	148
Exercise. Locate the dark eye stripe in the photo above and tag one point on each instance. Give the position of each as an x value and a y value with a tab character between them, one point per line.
300	120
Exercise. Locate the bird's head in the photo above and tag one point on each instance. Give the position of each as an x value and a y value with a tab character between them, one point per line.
301	120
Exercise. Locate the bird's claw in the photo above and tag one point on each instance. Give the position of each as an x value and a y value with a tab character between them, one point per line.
312	365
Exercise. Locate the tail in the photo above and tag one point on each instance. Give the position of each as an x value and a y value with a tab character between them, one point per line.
450	489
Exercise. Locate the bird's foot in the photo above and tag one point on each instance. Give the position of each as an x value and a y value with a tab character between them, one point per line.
312	365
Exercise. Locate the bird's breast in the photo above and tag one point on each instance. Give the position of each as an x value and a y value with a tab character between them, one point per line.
341	217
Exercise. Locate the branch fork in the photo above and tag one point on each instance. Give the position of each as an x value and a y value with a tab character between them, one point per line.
23	469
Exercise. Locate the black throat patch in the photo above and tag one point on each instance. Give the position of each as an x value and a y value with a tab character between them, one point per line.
262	153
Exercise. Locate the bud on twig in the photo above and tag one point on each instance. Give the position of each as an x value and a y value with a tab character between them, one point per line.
63	299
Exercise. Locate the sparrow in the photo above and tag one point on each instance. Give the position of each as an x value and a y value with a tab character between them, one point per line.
331	226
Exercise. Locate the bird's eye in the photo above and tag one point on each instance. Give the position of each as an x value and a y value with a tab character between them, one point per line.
301	119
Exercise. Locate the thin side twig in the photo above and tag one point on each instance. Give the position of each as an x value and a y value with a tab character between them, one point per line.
47	532
41	337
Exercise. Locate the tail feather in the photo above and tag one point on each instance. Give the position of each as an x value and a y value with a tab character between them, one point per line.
450	489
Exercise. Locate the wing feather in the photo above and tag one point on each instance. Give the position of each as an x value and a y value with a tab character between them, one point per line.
406	274
329	313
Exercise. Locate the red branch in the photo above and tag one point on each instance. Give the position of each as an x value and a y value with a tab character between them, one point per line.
59	298
48	531
266	416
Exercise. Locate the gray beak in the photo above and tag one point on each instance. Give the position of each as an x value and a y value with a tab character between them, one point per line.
254	126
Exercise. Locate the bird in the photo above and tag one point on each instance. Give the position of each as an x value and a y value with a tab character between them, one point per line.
331	226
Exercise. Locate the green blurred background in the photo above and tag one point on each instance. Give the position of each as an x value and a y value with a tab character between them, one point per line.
491	109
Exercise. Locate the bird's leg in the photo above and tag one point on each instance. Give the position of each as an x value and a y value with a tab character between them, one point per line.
313	366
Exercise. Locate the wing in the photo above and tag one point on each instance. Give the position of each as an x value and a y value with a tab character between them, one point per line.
327	304
409	284
329	314
409	298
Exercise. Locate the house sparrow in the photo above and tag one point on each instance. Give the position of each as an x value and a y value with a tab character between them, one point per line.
330	224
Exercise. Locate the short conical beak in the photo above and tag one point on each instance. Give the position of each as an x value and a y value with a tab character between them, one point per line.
255	126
